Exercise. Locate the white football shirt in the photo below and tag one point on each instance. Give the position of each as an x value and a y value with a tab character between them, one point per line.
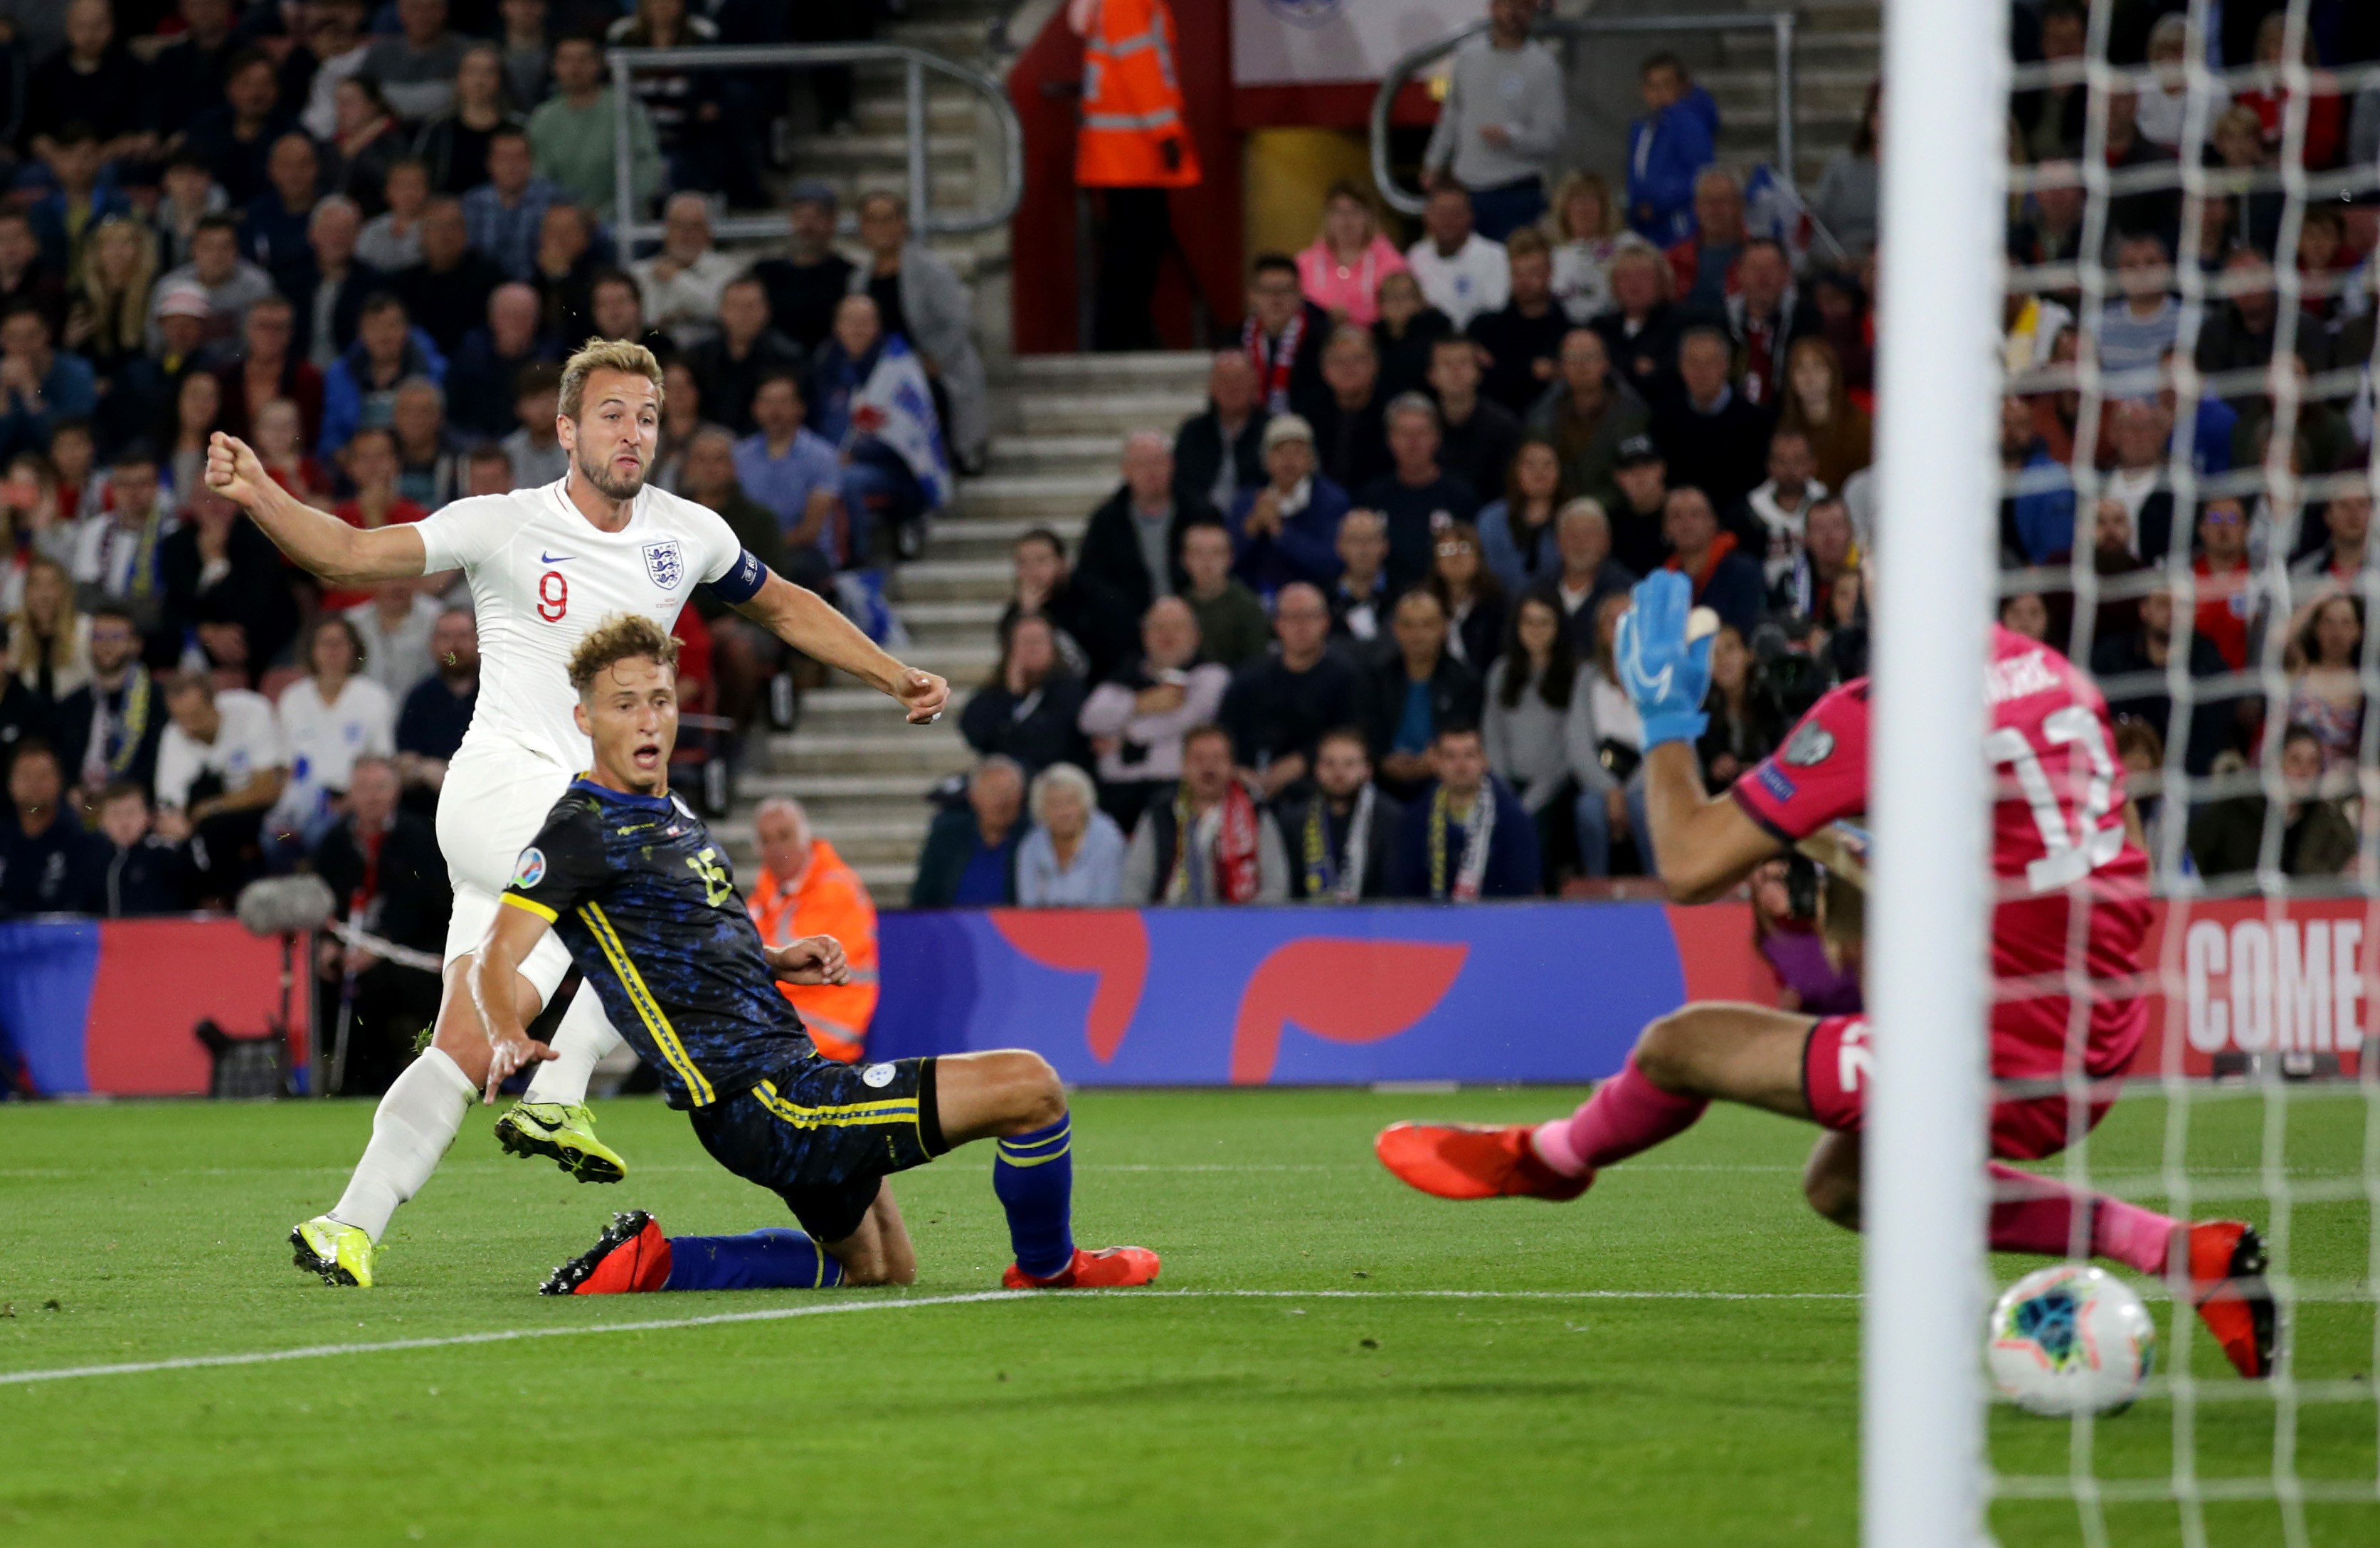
542	577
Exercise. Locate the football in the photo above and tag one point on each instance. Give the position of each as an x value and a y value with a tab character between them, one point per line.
2071	1339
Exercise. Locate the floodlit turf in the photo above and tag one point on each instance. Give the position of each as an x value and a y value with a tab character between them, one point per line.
1352	1410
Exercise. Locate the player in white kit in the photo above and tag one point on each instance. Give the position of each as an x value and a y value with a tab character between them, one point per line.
544	566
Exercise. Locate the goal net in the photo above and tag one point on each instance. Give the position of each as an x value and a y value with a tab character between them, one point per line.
2181	401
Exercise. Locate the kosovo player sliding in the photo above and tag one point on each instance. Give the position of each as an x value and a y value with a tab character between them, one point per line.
543	565
2060	842
632	883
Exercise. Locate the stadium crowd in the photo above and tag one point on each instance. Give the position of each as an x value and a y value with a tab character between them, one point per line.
1350	627
364	237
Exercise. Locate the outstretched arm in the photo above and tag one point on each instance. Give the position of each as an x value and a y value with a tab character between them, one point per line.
1705	845
315	540
810	624
493	968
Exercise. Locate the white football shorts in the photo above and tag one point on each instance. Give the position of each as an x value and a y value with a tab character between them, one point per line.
490	809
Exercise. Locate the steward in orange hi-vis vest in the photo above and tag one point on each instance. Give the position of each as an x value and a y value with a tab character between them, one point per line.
1133	134
827	898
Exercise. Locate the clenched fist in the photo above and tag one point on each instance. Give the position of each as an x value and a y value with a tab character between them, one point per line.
234	471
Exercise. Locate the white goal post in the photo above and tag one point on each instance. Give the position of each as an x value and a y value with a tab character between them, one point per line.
1938	373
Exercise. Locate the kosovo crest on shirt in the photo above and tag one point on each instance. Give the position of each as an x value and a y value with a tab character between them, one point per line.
665	563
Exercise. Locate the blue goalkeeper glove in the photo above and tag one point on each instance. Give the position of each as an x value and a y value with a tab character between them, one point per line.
1666	677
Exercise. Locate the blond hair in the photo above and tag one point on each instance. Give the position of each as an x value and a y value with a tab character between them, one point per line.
606	354
622	637
1570	188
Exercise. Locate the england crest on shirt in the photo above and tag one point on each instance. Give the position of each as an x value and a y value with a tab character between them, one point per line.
665	563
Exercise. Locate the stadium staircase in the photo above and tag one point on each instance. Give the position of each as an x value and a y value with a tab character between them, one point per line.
1060	421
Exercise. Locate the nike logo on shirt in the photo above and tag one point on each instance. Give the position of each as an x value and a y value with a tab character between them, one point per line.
545	558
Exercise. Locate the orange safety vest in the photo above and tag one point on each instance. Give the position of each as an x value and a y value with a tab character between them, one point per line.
829	900
1134	133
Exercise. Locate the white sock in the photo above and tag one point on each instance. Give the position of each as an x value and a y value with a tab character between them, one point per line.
581	1041
417	1120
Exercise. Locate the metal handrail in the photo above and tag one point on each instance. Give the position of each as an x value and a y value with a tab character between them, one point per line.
627	62
1779	24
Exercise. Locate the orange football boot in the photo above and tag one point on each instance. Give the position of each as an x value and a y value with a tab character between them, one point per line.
2226	1284
1473	1161
1117	1268
630	1256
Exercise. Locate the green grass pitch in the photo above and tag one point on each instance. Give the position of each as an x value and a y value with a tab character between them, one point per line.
1597	1387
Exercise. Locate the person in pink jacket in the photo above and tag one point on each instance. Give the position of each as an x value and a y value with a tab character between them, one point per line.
1342	272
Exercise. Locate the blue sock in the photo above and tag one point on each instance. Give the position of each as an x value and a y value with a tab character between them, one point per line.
776	1260
1034	1174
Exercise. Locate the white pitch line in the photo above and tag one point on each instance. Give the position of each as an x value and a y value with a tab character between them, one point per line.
778	1313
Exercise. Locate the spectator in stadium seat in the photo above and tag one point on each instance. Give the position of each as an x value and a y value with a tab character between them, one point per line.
272	225
2325	127
1584	227
396	627
1818	405
493	357
387	877
415	68
1029	708
187	73
187	194
1416	496
1359	599
1640	332
1587	414
795	474
1713	438
39	385
227	592
139	873
1349	431
682	283
1407	330
2037	494
1502	122
48	864
1286	530
1612	799
93	78
79	201
1232	625
729	366
434	713
1845	202
805	888
446	294
2051	118
2322	657
333	49
563	273
504	214
232	135
1701	266
230	283
1465	835
117	548
1409	696
1133	542
1461	272
1073	858
1342	270
49	637
1534	727
1775	515
616	307
1725	580
1827	553
1586	572
1136	719
2341	562
527	50
574	134
281	444
430	464
453	145
2137	433
25	278
804	287
1516	532
1094	626
360	390
1742	731
220	766
329	718
969	859
2226	838
1342	833
1474	599
534	449
2136	331
1642	477
390	240
1478	436
268	368
1219	452
108	726
1206	838
107	322
330	299
2132	669
1522	339
1279	703
1284	335
920	296
1765	317
1674	140
198	414
2241	332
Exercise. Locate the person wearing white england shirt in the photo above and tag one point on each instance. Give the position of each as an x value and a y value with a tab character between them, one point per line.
1461	273
545	567
220	765
329	719
395	625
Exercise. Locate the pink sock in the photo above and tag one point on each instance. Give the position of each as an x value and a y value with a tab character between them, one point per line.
1627	1114
2032	1213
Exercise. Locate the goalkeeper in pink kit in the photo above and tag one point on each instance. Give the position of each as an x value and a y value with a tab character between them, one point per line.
2060	843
